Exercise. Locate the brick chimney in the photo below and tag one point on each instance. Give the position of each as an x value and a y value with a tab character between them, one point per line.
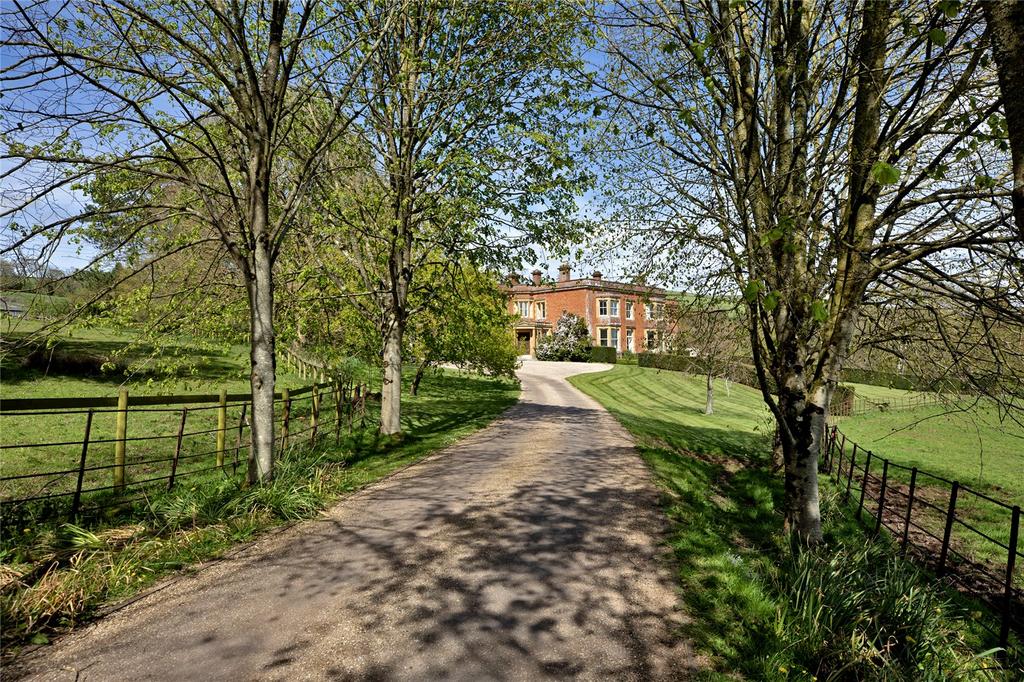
563	272
596	275
513	278
536	277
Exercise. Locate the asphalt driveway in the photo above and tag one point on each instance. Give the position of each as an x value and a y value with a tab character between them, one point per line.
527	551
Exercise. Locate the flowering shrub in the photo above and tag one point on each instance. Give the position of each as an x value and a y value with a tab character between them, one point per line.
569	340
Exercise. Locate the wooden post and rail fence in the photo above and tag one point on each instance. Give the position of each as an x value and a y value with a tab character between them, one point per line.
20	484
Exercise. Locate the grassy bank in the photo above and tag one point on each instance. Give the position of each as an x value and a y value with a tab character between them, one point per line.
55	576
850	612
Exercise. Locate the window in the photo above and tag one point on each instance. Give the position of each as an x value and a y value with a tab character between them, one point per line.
629	311
648	311
524	308
652	339
659	310
608	336
630	343
653	311
608	306
541	308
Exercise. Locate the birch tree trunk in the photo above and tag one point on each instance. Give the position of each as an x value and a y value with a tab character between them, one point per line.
391	388
709	401
261	357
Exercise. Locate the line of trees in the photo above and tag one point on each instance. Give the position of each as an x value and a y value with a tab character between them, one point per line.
380	150
817	160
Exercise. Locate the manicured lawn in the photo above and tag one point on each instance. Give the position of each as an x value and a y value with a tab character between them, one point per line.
737	583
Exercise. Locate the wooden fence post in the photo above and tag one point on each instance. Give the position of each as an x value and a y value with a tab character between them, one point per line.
315	416
864	484
1011	558
910	506
881	495
950	515
842	453
222	425
177	448
77	500
120	436
350	403
849	476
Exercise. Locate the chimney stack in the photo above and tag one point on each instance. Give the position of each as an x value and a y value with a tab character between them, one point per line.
563	272
513	278
536	277
596	275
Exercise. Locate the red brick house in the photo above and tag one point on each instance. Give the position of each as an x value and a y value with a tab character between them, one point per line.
619	315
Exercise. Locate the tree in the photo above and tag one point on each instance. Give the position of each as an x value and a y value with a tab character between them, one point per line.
465	134
710	333
1005	19
801	154
195	111
569	341
465	323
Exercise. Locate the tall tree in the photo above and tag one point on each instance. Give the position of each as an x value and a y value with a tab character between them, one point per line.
194	107
802	153
467	127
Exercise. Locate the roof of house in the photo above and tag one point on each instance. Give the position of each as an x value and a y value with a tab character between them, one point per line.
599	284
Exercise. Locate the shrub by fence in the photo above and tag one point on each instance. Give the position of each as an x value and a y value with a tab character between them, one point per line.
603	354
931	518
131	445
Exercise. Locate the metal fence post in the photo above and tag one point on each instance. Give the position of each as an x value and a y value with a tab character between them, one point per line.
120	439
76	501
849	475
337	412
177	448
238	440
910	506
222	425
315	415
287	402
864	484
842	454
1011	558
881	495
950	515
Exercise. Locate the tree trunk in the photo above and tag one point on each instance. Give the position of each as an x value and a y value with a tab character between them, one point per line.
391	388
804	416
415	388
709	401
261	358
1005	20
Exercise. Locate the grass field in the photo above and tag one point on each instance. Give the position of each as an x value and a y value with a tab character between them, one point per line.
748	613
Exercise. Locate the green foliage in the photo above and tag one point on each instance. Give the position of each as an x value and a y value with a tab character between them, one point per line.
569	341
603	354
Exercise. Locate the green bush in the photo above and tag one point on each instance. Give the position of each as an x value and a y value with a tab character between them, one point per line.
603	354
569	341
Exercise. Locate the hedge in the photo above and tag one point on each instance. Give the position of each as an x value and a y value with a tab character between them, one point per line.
603	354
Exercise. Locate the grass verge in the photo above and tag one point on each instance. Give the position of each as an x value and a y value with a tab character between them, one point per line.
849	611
54	577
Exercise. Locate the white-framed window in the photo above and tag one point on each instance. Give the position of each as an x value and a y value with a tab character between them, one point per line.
608	307
541	310
652	339
648	311
608	336
654	311
524	308
629	310
659	310
630	333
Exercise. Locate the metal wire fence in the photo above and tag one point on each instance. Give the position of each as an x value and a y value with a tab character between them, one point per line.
936	521
128	446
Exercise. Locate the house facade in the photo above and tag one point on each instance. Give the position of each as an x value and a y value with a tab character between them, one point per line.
619	315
